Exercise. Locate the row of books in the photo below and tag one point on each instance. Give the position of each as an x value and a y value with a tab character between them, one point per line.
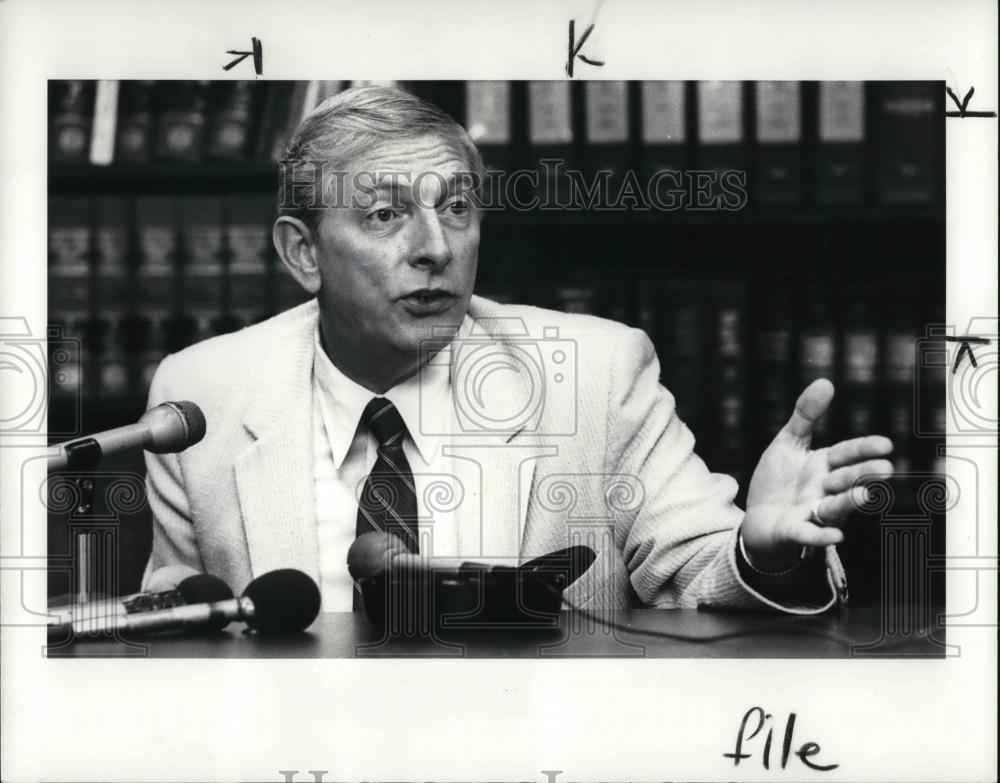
131	279
829	143
736	355
138	278
135	122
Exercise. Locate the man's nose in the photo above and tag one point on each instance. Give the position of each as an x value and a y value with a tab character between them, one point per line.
431	248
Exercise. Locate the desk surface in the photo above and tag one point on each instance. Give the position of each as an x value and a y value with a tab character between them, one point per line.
842	634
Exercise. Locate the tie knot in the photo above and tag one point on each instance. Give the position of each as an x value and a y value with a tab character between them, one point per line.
385	422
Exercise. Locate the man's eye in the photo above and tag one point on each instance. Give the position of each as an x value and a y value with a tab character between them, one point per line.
383	215
459	207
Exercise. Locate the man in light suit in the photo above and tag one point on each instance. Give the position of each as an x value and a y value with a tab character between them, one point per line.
397	399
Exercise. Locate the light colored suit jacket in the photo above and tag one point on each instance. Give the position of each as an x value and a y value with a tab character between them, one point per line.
572	441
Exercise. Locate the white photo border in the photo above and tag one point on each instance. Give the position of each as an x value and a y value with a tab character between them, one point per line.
495	719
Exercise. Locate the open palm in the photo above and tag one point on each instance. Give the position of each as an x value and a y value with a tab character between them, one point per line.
792	481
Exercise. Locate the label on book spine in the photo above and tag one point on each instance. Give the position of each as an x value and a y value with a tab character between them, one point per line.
102	134
861	357
203	272
69	269
908	122
663	112
778	112
70	112
607	112
720	112
135	121
157	235
841	112
488	111
549	117
112	256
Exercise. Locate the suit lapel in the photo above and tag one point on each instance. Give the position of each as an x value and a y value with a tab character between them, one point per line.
275	474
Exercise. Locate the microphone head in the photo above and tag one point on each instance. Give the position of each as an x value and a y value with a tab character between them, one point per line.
194	420
370	554
206	589
284	601
203	589
173	426
167	578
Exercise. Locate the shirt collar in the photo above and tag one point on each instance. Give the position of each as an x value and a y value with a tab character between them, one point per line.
423	400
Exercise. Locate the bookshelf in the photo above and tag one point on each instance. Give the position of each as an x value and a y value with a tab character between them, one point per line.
835	265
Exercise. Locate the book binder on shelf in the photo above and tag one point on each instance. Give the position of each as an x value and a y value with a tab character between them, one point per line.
113	296
663	132
202	275
134	136
102	135
230	107
71	107
729	378
861	360
908	115
607	137
839	162
250	249
817	350
721	143
71	304
180	109
777	177
489	123
550	134
773	335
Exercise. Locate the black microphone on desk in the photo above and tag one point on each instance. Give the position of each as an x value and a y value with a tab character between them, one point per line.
373	554
282	601
195	589
167	428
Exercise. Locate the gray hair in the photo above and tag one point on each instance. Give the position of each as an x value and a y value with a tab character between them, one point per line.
351	123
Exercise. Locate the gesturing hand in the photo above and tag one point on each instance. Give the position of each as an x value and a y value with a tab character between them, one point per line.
792	481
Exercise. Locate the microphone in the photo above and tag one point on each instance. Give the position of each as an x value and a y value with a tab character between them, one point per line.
282	601
195	589
165	429
373	554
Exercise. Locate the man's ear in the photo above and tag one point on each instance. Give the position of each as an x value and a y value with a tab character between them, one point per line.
294	242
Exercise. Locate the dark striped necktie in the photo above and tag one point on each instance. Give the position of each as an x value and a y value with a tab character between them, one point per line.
388	501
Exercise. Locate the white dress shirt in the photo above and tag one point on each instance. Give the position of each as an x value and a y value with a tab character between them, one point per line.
345	452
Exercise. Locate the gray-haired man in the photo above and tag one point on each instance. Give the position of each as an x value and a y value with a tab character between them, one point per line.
343	415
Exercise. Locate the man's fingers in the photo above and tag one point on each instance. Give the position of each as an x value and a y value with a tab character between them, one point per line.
808	534
832	509
844	478
805	530
847	452
812	404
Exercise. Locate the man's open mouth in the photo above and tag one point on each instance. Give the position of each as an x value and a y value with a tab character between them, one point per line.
427	296
428	301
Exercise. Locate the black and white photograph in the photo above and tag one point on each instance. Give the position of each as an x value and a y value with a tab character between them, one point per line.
639	345
359	389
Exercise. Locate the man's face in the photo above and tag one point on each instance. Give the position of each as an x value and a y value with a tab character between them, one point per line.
398	253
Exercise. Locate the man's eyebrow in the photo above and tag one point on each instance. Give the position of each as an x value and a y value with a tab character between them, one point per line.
391	182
